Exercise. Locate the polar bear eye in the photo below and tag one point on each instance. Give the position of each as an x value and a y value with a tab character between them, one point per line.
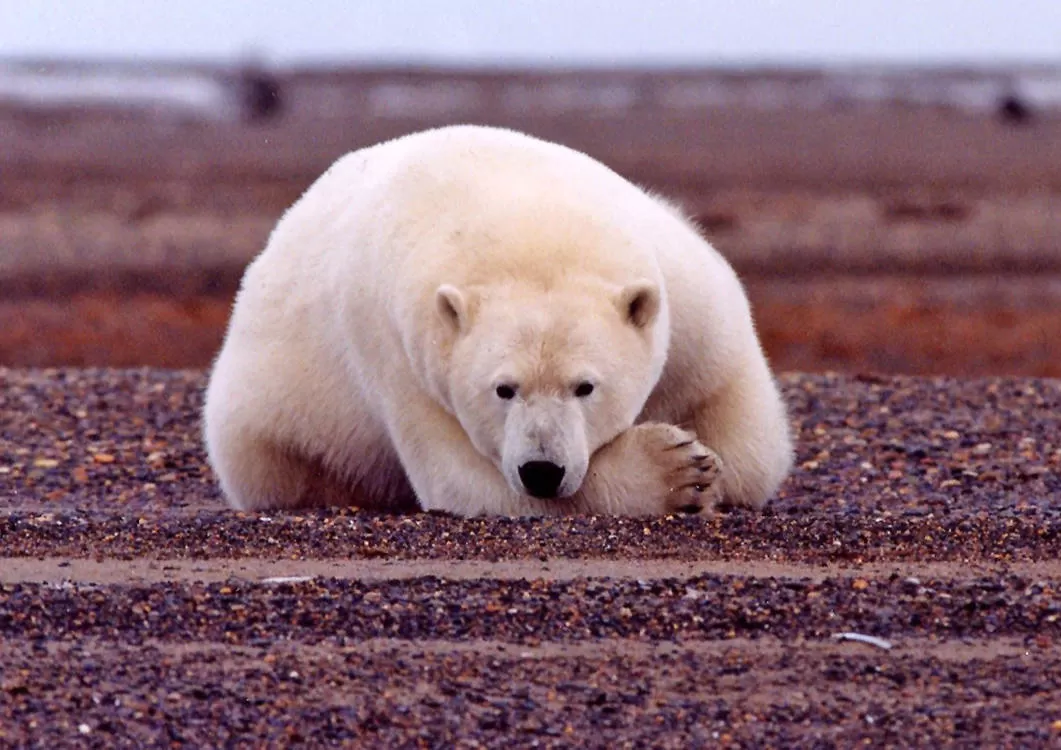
507	392
583	389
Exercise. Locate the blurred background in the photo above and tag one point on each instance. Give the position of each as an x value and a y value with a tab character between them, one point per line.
884	175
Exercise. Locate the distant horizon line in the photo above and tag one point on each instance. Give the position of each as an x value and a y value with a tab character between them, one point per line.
384	63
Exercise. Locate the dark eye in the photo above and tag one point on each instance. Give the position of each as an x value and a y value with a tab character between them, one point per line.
583	389
506	392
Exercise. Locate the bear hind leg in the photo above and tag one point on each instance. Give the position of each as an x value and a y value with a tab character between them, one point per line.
261	475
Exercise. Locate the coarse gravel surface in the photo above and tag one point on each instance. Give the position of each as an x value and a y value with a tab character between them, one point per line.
137	611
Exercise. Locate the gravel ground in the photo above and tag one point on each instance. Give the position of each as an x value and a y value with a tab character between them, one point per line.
136	611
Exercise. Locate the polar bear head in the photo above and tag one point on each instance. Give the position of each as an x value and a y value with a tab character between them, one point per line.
540	378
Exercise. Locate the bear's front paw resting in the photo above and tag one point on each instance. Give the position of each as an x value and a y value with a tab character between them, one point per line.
686	473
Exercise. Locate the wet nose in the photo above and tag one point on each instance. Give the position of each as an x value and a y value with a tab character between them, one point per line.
541	478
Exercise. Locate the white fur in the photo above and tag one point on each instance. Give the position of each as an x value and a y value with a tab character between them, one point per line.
368	338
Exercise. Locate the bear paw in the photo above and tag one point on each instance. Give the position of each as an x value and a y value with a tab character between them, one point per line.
689	470
664	469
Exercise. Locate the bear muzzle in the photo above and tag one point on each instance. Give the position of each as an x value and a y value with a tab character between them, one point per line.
541	479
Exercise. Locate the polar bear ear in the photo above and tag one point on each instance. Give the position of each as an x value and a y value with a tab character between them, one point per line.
639	303
452	307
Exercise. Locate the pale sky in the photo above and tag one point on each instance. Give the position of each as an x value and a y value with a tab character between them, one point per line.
553	32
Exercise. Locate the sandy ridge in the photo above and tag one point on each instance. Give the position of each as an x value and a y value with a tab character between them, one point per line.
146	570
965	650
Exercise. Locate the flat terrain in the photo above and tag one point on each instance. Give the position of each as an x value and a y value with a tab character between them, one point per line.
135	610
914	247
123	233
90	289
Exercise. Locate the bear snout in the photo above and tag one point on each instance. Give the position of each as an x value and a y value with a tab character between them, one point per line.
541	478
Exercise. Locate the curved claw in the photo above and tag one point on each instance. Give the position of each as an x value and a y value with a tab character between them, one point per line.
683	444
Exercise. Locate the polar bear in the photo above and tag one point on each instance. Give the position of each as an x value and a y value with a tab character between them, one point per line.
473	320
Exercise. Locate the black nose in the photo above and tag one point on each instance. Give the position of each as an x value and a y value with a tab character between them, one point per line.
541	478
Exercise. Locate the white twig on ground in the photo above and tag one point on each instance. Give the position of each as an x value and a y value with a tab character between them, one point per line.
871	640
